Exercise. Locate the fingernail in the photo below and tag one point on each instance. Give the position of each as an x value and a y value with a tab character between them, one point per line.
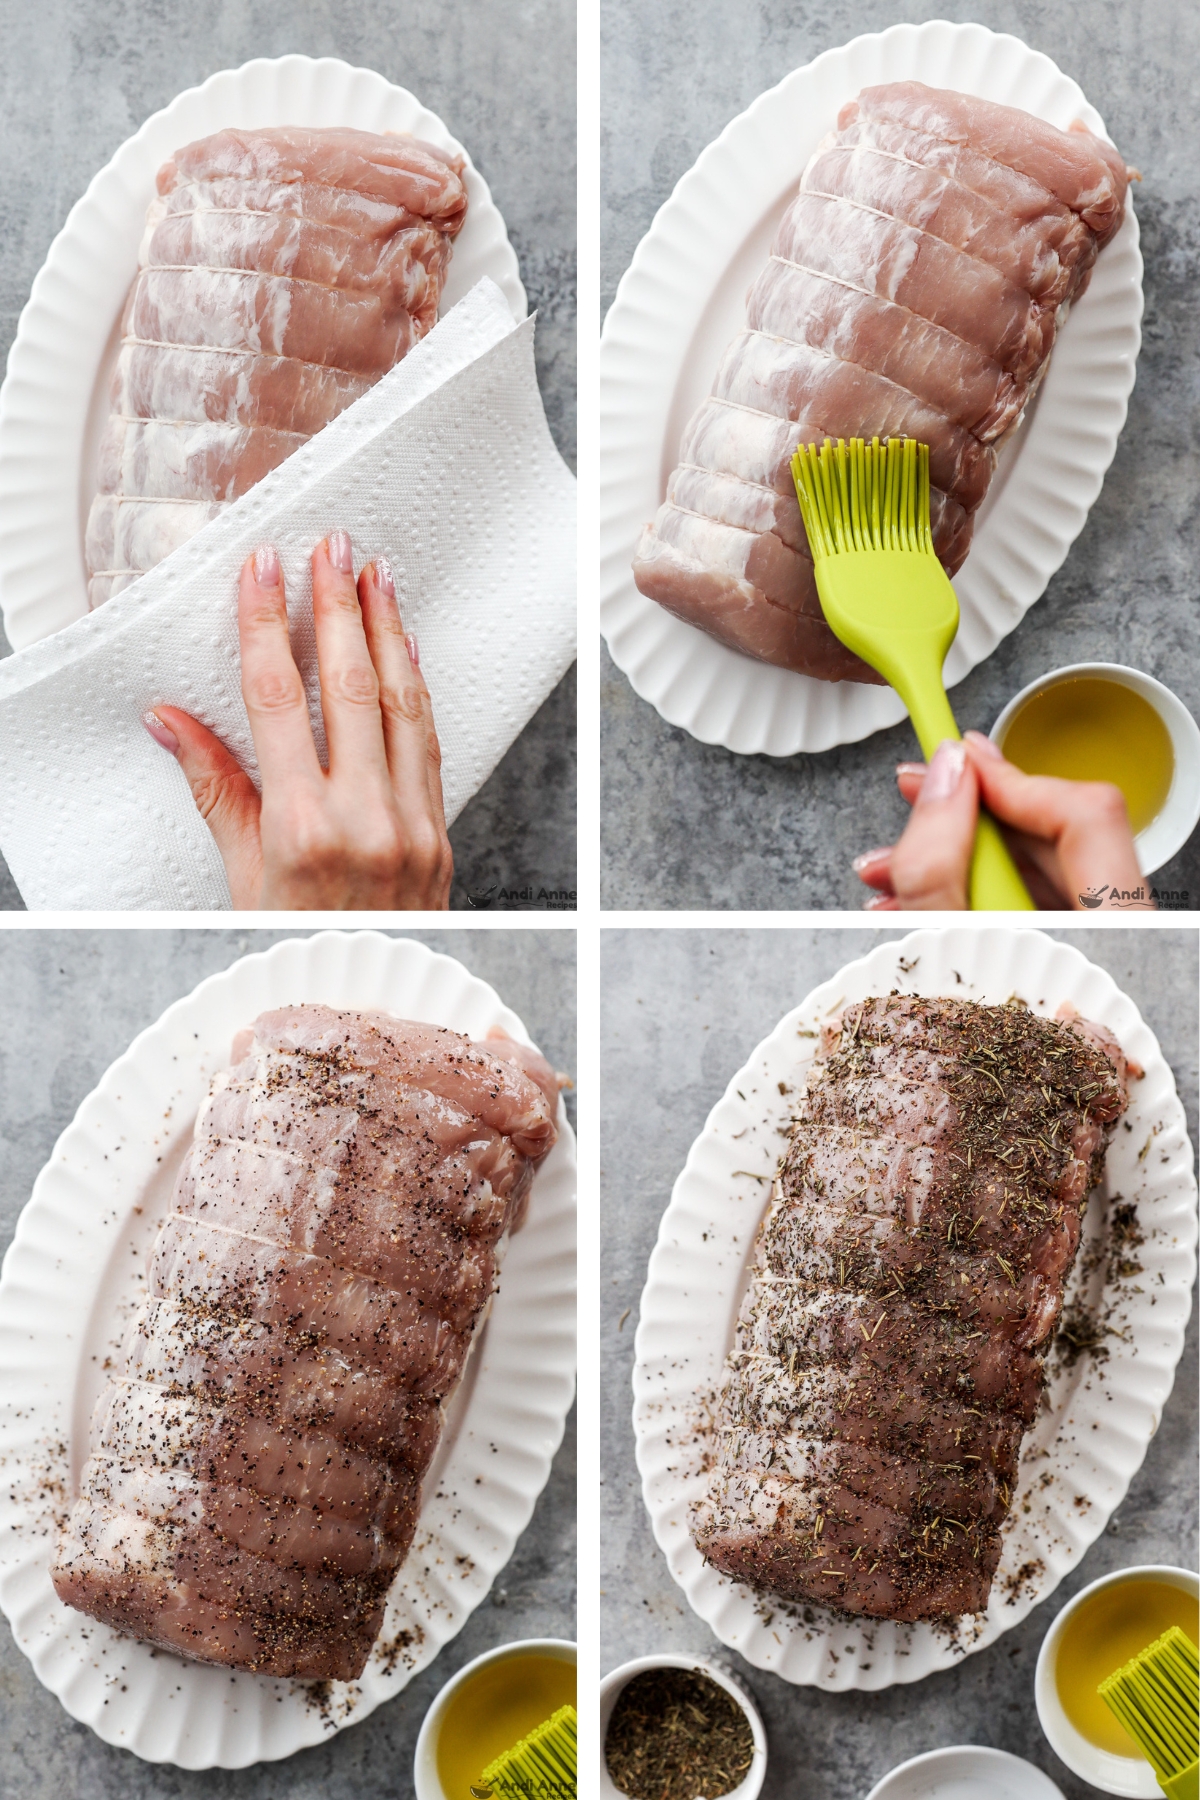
340	553
912	769
985	745
414	655
945	771
870	856
385	581
162	734
266	566
880	903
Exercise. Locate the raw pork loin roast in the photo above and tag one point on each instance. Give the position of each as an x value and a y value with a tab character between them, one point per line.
907	1280
331	1250
281	274
914	289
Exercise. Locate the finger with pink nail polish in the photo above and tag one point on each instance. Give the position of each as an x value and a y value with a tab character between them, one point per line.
944	773
266	566
162	734
928	869
868	857
874	867
341	555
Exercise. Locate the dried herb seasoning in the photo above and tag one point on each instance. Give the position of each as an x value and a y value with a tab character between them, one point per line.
1080	1333
901	1303
676	1735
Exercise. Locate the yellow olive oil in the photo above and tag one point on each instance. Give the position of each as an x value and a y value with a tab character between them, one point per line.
493	1710
1101	1637
1092	729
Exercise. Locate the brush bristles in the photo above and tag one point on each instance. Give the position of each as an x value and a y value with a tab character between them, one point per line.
545	1762
861	496
1157	1699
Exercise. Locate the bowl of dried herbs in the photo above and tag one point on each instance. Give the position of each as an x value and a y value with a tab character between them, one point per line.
679	1728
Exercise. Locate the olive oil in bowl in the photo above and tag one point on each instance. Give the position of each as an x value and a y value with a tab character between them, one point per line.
1103	1634
1089	728
502	1702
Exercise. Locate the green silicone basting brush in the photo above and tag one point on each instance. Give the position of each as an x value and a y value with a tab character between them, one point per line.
1157	1699
544	1763
887	597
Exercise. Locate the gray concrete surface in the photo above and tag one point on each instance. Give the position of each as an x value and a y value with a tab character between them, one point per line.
73	1002
78	78
682	1010
690	825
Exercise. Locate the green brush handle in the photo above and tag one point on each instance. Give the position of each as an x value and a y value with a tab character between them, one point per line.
1185	1785
994	884
886	597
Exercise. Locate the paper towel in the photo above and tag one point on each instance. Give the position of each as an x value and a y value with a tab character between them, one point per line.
447	467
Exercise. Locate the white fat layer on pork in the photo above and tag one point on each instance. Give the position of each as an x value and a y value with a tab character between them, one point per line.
254	266
914	289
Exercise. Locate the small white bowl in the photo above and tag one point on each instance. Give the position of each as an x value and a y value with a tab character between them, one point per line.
1174	824
724	1677
1131	1776
426	1782
966	1772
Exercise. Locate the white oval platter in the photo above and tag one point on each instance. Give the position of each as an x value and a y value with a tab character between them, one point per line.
682	300
1088	1441
54	401
73	1275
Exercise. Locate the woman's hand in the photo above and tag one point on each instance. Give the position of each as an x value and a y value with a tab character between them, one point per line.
368	833
1070	839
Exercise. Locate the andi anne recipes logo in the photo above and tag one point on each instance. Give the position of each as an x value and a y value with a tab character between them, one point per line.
552	899
525	1787
1165	899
